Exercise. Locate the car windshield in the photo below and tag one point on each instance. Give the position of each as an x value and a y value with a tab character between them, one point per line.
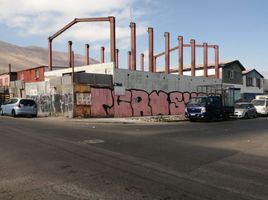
27	102
198	101
242	106
257	102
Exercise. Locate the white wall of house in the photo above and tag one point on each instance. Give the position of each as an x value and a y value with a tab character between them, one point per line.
200	72
252	89
103	68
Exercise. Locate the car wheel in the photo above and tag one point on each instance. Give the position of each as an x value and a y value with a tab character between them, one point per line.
1	112
13	113
246	116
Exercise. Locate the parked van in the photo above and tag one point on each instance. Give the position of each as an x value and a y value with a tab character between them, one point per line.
261	104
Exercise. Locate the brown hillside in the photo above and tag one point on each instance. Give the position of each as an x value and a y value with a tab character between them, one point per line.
29	57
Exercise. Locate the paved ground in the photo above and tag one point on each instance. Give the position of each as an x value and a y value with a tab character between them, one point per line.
49	158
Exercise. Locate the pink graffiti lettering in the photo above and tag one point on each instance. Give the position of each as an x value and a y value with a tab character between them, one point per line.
159	103
140	103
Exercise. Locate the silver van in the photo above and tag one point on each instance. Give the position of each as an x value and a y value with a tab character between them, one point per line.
261	104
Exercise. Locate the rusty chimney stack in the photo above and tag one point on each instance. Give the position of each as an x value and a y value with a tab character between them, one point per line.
217	73
151	49
49	54
87	53
117	58
9	69
102	54
154	64
205	61
167	54
180	38
133	45
129	60
70	53
142	62
192	43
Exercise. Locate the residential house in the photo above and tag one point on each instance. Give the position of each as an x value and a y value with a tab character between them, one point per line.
36	74
230	72
253	83
5	78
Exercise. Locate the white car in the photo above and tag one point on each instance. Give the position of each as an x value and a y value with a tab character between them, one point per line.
19	106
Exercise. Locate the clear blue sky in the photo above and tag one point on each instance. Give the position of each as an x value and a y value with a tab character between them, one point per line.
239	27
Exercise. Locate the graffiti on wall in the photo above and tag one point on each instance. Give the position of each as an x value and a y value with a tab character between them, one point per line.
138	102
55	103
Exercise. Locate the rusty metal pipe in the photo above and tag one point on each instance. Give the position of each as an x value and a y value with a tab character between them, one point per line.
192	42
142	62
72	65
102	49
50	55
167	54
133	45
87	53
217	73
9	69
129	60
117	59
205	59
112	40
151	49
155	62
70	53
180	56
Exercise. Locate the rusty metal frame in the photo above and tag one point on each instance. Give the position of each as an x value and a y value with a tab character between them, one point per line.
205	46
110	19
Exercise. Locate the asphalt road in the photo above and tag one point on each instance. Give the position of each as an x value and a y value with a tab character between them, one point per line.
59	159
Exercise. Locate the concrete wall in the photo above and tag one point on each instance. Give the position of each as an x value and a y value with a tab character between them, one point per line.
55	100
149	82
135	102
138	93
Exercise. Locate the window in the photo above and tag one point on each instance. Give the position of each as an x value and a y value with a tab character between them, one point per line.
258	82
249	81
36	73
230	74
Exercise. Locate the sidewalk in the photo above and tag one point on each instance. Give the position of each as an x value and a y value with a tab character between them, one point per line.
125	120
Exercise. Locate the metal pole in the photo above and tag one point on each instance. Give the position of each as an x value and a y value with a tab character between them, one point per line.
217	73
112	39
70	53
117	59
102	55
180	38
205	53
167	54
142	62
87	53
192	42
72	65
151	49
133	45
129	60
49	54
